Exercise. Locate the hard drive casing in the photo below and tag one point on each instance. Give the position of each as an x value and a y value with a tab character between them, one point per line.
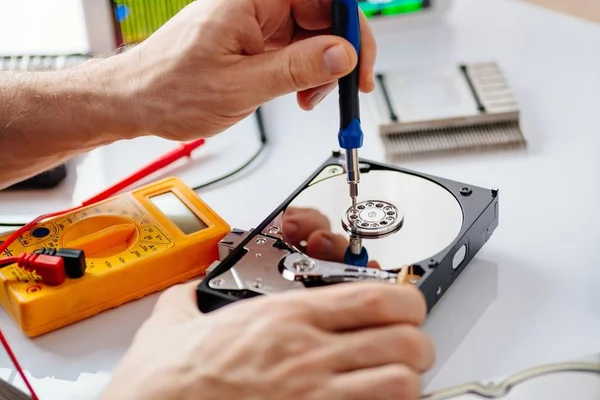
480	219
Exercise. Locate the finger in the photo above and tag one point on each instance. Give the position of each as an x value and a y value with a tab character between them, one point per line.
326	246
368	51
282	36
397	344
300	66
361	305
301	34
395	381
312	15
309	99
300	223
179	299
295	210
368	56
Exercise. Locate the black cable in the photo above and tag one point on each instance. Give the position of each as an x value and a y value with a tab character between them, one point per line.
263	145
386	96
11	224
261	126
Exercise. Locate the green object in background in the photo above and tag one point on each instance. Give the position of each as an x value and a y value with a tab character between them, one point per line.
369	8
402	7
138	19
390	7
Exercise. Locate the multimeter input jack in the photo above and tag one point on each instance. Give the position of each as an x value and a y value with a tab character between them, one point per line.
73	259
52	265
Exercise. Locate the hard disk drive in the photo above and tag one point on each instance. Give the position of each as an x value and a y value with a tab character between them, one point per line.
413	228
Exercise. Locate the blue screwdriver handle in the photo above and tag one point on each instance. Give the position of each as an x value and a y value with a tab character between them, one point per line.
346	23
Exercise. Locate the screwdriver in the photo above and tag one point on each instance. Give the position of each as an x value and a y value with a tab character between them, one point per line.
345	23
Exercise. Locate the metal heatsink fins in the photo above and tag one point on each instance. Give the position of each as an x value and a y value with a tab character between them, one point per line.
464	108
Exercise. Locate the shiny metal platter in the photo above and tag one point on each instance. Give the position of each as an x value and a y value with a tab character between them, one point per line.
426	217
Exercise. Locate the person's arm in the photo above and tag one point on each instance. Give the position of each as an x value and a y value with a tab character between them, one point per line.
49	117
199	74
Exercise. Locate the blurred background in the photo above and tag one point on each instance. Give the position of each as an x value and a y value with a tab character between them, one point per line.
96	26
549	53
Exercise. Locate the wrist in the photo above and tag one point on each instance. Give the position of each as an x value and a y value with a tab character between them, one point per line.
73	109
104	101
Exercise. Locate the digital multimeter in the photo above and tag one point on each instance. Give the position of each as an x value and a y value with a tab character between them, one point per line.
135	244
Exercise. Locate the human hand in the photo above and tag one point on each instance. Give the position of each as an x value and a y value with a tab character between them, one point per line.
215	62
348	341
310	231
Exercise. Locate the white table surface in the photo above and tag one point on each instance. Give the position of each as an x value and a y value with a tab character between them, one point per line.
533	293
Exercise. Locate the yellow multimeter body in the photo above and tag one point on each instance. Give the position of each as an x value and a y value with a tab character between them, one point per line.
135	243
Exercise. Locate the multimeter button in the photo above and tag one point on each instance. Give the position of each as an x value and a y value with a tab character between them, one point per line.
40	232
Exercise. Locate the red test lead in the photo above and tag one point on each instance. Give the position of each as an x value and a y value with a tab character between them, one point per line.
184	150
18	366
50	268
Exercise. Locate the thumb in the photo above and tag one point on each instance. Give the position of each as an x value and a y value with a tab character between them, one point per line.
302	65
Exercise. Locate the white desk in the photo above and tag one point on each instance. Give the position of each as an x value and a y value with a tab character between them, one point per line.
536	284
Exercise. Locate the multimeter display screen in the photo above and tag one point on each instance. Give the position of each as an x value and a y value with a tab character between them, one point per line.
179	213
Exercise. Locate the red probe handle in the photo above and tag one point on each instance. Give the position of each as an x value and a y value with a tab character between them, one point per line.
184	150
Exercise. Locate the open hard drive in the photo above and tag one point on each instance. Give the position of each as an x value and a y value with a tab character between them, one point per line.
414	229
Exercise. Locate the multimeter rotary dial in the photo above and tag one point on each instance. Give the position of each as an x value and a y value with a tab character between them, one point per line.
102	236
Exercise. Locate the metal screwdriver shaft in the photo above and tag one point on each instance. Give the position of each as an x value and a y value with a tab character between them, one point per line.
353	174
346	24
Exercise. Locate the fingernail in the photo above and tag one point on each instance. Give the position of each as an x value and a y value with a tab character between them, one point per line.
290	229
336	60
317	98
324	247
